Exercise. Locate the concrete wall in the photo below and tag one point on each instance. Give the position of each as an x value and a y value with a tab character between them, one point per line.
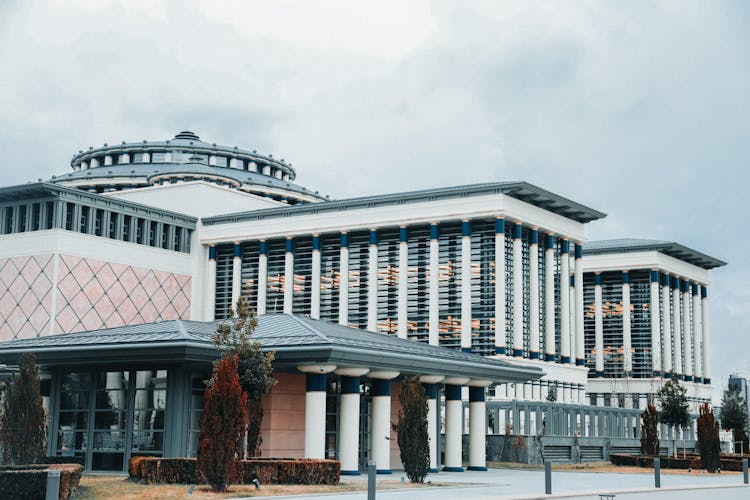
283	427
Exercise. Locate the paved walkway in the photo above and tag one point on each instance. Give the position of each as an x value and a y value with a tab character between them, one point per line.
514	483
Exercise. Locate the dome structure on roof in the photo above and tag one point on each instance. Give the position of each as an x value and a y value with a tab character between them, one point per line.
184	158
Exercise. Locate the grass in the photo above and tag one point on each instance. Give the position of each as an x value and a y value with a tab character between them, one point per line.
97	486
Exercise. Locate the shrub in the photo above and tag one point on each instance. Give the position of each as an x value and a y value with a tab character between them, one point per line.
674	410
649	431
267	471
412	430
22	427
222	428
30	481
708	438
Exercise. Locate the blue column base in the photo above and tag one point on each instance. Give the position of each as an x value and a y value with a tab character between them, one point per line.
565	359
580	362
666	375
698	380
453	469
473	467
680	377
657	373
433	471
706	381
518	353
688	378
383	471
534	355
499	350
350	473
466	349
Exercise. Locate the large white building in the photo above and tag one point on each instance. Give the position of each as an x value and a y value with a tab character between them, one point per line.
179	229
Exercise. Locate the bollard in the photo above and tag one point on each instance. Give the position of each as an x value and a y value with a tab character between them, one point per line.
744	470
548	478
53	485
371	481
657	472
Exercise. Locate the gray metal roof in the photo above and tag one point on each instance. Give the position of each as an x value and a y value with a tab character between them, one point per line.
146	170
520	190
294	339
671	248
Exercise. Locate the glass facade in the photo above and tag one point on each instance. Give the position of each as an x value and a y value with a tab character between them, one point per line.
449	235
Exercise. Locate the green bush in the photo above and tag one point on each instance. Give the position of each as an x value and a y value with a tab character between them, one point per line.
29	482
266	470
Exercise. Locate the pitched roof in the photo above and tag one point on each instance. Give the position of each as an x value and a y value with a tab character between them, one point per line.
671	248
294	339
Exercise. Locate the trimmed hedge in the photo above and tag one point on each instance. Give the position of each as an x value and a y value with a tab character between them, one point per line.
265	470
30	481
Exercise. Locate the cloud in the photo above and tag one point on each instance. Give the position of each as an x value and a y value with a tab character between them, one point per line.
638	109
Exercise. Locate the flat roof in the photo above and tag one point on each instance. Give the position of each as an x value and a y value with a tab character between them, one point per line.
520	190
294	339
671	248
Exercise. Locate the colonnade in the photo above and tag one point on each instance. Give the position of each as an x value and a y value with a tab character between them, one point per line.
569	332
679	327
380	421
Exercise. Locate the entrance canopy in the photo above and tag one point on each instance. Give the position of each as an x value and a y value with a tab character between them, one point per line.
296	340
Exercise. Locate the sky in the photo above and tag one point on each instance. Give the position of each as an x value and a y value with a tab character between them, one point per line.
638	109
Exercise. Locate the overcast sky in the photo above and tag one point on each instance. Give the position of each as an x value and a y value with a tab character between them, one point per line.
638	109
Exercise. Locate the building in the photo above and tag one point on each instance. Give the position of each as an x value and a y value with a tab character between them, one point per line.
645	319
740	383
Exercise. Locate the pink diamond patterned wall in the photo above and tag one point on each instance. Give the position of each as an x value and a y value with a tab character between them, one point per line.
91	294
25	296
97	294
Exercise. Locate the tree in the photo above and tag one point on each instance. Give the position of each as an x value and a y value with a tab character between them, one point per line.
254	366
22	426
650	431
734	415
412	430
708	438
223	426
674	410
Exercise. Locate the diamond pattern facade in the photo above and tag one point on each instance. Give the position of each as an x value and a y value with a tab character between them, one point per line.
91	294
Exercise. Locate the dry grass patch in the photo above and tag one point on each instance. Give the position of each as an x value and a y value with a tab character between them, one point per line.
95	486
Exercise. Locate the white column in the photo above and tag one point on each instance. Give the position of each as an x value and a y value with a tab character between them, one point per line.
565	303
627	343
534	294
403	283
344	280
676	331
434	288
315	279
688	329
466	286
210	310
381	420
549	297
598	326
656	348
372	283
349	420
477	426
236	275
517	290
666	317
289	276
697	334
578	278
500	332
429	382
453	425
315	409
262	276
706	338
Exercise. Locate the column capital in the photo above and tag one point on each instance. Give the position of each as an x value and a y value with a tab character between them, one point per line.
597	279
565	244
351	372
316	368
373	236
500	225
403	234
465	227
456	380
431	379
383	374
212	252
626	277
517	230
434	230
578	250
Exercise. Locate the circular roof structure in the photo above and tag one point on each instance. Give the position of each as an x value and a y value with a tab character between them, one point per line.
184	158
